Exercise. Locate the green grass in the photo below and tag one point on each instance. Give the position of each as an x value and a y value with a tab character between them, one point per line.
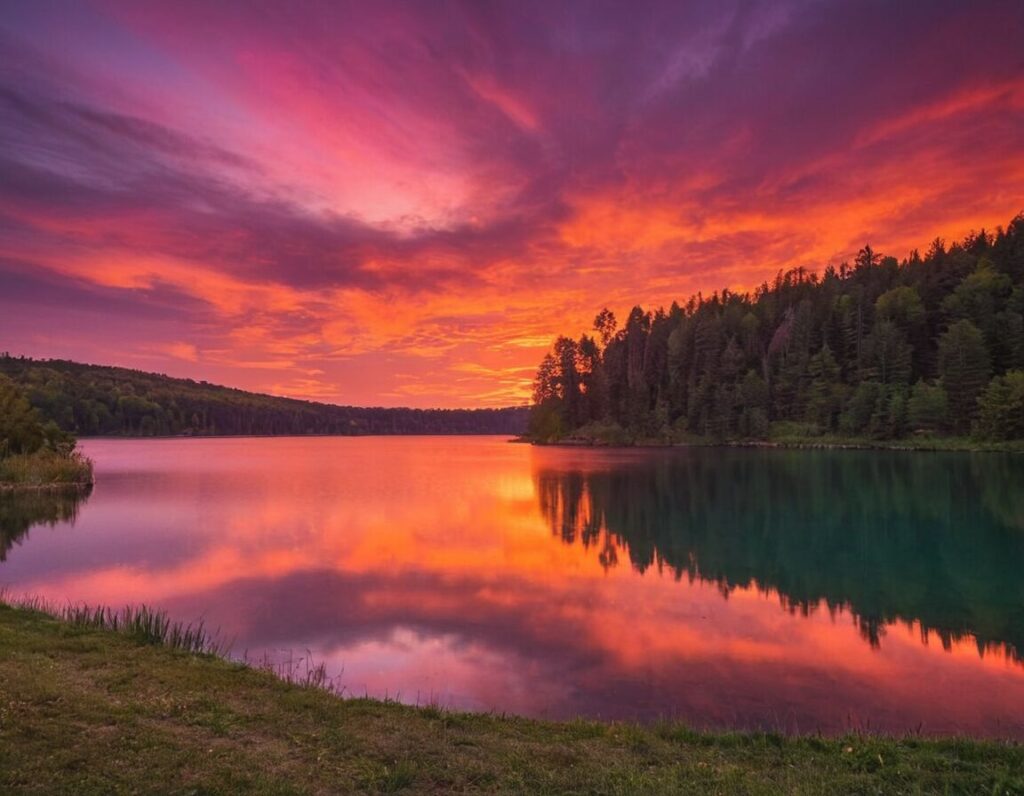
143	624
783	435
95	706
45	468
924	443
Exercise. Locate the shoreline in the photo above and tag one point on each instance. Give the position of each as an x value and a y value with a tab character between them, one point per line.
54	486
283	436
91	709
940	445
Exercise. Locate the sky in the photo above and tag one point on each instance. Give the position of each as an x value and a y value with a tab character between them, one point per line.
404	203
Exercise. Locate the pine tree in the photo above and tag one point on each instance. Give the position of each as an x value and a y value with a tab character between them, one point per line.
928	408
824	401
888	354
964	368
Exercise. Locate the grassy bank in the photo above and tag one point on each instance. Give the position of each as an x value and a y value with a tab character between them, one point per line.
964	444
782	435
86	709
45	469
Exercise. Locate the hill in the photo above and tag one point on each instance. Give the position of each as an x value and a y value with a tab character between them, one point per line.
97	400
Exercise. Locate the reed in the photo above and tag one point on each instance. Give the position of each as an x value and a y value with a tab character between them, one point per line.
45	468
147	625
142	623
302	671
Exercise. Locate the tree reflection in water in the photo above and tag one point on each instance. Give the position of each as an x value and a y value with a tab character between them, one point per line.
21	510
888	536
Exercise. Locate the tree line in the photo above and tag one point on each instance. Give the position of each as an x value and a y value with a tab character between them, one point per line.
94	400
878	348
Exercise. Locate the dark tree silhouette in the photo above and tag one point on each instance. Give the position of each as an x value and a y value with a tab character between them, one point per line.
878	349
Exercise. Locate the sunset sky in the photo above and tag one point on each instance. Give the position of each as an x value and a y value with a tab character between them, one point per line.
403	204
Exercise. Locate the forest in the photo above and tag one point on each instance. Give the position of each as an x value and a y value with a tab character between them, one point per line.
879	349
95	400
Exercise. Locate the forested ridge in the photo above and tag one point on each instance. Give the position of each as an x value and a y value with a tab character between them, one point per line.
878	349
99	400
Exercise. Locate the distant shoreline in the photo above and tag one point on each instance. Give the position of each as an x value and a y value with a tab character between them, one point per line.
286	436
100	400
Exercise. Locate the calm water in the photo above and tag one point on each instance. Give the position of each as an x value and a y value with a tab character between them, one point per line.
790	590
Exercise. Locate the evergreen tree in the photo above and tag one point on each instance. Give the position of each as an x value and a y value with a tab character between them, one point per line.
754	402
825	400
568	381
864	411
964	368
927	409
888	354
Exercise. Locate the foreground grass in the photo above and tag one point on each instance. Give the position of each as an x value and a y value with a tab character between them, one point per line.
45	469
86	709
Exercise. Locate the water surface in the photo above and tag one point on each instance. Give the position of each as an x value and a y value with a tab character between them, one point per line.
787	590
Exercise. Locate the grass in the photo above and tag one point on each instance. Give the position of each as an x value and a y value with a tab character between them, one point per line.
144	625
45	469
90	703
922	443
782	435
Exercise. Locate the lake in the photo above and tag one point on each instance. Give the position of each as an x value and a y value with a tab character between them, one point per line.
796	591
